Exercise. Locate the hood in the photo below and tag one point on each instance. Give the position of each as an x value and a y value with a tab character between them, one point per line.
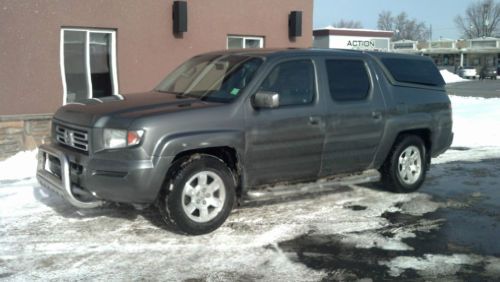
132	106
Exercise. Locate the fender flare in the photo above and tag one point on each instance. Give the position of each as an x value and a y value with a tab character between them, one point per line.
394	127
172	145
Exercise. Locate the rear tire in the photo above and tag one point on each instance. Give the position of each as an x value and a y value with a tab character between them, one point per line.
405	168
199	196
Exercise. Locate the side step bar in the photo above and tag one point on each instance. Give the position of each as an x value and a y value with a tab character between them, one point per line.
323	185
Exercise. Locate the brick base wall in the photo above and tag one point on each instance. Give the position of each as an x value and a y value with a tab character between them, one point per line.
20	133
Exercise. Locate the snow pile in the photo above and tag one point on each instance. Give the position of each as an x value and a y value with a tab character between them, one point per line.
20	166
450	77
476	121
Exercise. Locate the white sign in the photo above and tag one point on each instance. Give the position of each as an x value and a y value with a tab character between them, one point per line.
359	43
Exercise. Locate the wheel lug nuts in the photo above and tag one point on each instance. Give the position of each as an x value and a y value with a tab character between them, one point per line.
207	195
204	202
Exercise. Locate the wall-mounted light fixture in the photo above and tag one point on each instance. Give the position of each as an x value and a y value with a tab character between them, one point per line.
295	24
179	16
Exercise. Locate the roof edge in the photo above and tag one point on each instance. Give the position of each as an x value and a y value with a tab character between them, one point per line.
353	32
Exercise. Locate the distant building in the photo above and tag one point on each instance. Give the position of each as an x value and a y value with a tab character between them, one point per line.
447	53
348	38
451	54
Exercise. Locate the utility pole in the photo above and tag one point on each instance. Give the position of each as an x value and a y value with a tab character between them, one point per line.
430	33
486	7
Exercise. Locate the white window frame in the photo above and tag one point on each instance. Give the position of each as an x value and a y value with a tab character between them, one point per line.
244	38
87	31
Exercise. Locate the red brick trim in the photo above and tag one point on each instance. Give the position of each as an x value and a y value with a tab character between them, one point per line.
346	32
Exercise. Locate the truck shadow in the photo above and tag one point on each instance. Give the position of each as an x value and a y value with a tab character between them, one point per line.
112	210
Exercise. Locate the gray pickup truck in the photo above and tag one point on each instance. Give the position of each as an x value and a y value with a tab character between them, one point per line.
225	127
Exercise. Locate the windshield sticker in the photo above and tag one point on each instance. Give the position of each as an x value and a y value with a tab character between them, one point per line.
235	91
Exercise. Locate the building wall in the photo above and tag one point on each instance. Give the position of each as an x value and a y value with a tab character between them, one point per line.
322	42
30	75
31	86
23	133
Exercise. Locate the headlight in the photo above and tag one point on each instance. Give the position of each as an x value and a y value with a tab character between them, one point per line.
119	138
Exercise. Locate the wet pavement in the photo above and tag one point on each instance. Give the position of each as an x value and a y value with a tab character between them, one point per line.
468	228
486	88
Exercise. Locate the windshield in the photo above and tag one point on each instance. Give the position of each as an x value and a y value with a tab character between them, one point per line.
214	78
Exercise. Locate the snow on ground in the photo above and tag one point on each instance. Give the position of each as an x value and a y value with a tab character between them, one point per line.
42	237
20	166
476	121
450	77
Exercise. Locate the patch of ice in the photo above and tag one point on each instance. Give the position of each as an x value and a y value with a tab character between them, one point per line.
493	267
450	77
370	239
429	265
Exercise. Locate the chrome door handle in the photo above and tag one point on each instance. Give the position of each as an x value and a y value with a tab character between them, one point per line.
376	115
314	120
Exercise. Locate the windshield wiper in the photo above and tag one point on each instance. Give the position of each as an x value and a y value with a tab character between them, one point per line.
181	96
178	95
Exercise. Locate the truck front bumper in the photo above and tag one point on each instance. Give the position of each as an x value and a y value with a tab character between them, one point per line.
87	182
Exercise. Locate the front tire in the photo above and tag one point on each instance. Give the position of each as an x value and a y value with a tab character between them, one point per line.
199	196
405	168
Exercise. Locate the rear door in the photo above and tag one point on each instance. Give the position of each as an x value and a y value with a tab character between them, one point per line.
285	143
355	114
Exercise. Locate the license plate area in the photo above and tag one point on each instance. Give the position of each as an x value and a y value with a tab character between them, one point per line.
52	164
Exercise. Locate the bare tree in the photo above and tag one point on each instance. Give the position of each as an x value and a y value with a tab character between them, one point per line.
385	21
348	24
481	19
403	27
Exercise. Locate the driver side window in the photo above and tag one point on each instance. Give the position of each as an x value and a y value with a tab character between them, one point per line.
293	81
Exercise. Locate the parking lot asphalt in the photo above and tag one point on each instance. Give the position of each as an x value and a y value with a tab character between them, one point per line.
477	88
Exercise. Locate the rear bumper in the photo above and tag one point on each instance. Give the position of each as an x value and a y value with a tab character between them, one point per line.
442	144
76	176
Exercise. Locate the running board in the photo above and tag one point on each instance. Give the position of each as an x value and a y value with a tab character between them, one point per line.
283	190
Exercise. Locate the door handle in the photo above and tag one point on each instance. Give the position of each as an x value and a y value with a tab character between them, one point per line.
376	115
314	120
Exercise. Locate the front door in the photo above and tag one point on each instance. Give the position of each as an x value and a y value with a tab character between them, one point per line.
285	143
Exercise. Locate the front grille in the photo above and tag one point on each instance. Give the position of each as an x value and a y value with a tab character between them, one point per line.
75	138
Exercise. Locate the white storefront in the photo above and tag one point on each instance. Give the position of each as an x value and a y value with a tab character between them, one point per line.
451	54
355	39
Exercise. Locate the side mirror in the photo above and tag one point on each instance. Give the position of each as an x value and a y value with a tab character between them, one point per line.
266	100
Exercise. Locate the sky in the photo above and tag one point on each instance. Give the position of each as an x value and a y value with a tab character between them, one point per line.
438	13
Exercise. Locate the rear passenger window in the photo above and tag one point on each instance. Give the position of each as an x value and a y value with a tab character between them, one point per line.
348	80
293	81
419	71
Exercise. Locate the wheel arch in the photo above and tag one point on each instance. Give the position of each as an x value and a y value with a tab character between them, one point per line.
426	136
227	154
